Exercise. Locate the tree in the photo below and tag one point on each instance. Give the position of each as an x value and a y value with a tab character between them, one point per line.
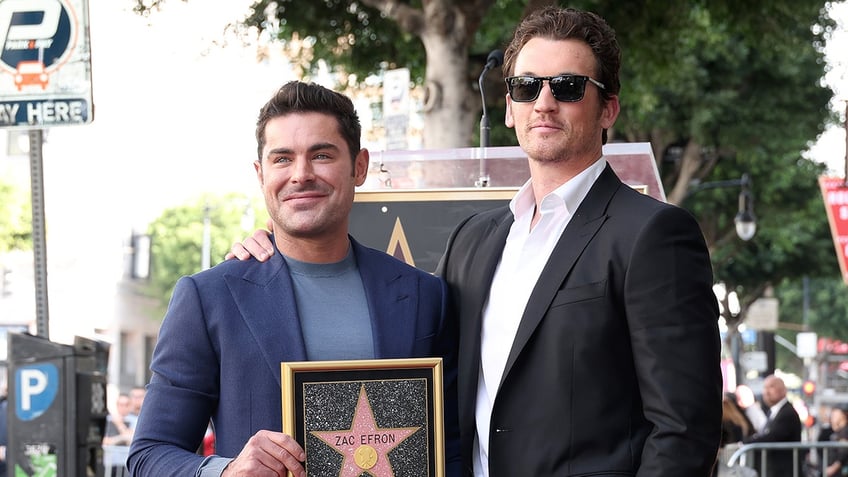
445	43
177	238
826	307
718	88
370	36
15	219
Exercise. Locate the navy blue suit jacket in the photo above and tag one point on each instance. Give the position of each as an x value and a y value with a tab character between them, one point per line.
228	329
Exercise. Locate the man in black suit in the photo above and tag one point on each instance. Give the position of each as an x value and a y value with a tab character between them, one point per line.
782	425
589	337
588	326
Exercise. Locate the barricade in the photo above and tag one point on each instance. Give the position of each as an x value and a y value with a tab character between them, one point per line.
115	461
804	461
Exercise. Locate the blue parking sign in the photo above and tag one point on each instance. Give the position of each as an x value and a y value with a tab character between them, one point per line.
36	387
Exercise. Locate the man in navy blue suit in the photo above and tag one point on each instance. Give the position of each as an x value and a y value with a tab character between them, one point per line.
320	296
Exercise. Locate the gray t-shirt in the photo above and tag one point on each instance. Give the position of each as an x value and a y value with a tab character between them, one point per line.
333	310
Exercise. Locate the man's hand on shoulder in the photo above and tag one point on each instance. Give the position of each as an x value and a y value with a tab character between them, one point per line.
257	245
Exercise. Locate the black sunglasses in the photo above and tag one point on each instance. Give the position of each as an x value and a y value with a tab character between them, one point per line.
566	88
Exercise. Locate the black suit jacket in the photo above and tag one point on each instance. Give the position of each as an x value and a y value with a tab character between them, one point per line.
784	426
614	370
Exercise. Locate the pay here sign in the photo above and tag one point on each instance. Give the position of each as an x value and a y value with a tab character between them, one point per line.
45	63
835	194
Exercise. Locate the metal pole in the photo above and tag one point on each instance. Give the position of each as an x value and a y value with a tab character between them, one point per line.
39	242
805	308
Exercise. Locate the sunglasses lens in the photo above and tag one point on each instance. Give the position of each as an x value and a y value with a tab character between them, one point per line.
524	88
568	88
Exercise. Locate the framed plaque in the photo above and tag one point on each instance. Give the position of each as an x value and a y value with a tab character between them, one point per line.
374	418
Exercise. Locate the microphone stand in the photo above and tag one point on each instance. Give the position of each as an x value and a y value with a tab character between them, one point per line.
494	59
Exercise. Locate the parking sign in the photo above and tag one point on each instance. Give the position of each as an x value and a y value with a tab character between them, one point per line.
45	63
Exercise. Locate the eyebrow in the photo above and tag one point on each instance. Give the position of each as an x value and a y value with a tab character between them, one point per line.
558	74
313	148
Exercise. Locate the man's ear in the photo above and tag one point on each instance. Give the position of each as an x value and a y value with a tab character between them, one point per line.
257	166
508	121
609	112
360	166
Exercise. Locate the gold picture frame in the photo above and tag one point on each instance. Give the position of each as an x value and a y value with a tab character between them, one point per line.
380	417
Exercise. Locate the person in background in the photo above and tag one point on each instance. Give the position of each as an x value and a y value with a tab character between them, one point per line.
782	424
118	432
735	426
589	340
746	399
322	296
137	394
837	462
822	433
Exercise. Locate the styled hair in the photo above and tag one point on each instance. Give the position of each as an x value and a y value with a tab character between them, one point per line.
557	24
300	97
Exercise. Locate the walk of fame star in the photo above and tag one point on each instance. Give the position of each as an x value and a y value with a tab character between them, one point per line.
365	446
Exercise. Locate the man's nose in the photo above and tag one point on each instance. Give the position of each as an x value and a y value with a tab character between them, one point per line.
303	170
546	100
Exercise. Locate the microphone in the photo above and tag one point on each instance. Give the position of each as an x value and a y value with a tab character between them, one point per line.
494	60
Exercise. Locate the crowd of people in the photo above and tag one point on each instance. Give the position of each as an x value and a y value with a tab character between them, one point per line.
774	419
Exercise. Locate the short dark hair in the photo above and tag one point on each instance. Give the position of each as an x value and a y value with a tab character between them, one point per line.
570	24
300	97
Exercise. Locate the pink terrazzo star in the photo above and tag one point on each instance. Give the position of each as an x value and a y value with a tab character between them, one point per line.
365	446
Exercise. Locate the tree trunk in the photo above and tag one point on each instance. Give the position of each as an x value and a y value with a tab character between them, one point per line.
445	28
448	103
689	167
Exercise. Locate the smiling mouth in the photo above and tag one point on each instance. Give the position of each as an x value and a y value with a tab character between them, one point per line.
302	197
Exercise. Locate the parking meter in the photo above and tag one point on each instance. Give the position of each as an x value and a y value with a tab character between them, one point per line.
57	406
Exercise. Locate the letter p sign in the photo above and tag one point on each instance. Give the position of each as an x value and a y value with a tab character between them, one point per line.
36	388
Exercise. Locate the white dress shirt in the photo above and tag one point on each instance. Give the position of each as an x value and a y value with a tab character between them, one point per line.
524	256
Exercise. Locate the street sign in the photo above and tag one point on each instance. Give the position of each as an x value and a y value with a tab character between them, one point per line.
835	195
754	361
396	108
762	314
806	344
45	63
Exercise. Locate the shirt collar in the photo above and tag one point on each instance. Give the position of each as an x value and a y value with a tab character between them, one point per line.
774	409
571	193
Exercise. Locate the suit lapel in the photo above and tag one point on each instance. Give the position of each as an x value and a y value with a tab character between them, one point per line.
587	221
486	259
477	278
265	298
391	302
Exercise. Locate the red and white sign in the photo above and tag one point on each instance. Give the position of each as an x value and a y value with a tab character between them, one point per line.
835	194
